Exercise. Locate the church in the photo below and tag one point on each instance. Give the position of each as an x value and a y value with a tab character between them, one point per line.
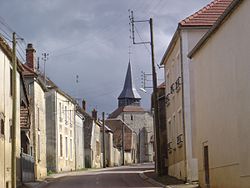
139	120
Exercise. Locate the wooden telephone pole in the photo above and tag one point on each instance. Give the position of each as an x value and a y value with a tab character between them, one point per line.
103	139
14	115
158	162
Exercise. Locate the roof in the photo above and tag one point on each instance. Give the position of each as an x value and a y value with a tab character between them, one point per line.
215	27
129	108
204	18
129	90
52	85
208	15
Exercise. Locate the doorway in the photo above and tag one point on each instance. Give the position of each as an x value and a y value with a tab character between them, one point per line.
206	165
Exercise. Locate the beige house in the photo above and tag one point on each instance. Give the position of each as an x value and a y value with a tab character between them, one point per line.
36	92
6	94
60	129
181	162
220	100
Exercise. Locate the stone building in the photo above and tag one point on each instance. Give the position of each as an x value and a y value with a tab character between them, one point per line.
60	129
138	119
181	162
92	140
6	103
36	92
220	100
121	130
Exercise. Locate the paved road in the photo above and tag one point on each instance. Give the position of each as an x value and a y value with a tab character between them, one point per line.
115	177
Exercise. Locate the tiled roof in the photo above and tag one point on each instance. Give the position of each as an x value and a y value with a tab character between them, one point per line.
208	15
129	108
24	117
27	70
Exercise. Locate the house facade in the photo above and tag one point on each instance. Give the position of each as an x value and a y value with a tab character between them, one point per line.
36	92
60	127
220	107
181	162
6	103
79	139
123	136
92	141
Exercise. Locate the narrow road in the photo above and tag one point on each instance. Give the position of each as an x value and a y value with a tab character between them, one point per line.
114	177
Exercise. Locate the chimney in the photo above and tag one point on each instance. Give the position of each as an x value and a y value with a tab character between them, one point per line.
94	114
84	105
30	56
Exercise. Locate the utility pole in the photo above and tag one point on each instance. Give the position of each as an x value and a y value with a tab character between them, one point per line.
45	57
103	139
123	141
158	162
14	115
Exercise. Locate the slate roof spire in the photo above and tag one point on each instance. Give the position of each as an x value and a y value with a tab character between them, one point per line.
129	94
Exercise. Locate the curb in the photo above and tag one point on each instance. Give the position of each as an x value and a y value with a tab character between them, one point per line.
150	180
156	183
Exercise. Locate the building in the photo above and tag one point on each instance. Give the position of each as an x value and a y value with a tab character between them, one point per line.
181	162
60	129
92	141
37	134
79	138
162	128
220	103
123	136
138	119
6	103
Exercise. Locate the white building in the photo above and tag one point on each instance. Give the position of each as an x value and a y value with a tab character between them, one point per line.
60	129
6	93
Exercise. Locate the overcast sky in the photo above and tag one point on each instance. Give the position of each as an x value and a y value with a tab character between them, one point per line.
91	39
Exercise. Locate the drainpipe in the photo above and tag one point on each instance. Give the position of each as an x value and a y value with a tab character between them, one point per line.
183	104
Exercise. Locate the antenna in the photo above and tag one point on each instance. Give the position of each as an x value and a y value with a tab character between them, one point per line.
45	57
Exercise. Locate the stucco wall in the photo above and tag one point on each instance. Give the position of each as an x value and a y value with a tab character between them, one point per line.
221	106
79	140
6	110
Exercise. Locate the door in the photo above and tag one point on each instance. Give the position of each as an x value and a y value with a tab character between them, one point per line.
206	165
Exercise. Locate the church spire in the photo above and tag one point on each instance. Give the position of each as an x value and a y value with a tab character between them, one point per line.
129	94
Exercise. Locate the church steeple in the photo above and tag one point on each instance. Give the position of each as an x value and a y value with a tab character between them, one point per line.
129	94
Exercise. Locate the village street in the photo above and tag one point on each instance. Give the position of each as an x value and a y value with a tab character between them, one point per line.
127	176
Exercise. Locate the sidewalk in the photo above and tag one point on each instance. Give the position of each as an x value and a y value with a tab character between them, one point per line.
165	181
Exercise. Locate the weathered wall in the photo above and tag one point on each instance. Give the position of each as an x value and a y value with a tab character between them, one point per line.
221	106
79	140
6	115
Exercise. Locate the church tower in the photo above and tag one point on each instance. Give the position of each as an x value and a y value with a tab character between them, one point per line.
129	94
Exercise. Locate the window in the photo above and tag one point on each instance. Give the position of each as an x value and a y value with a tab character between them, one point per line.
38	148
180	121
61	146
60	111
66	147
66	118
38	118
2	127
131	117
11	80
169	131
71	149
11	131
